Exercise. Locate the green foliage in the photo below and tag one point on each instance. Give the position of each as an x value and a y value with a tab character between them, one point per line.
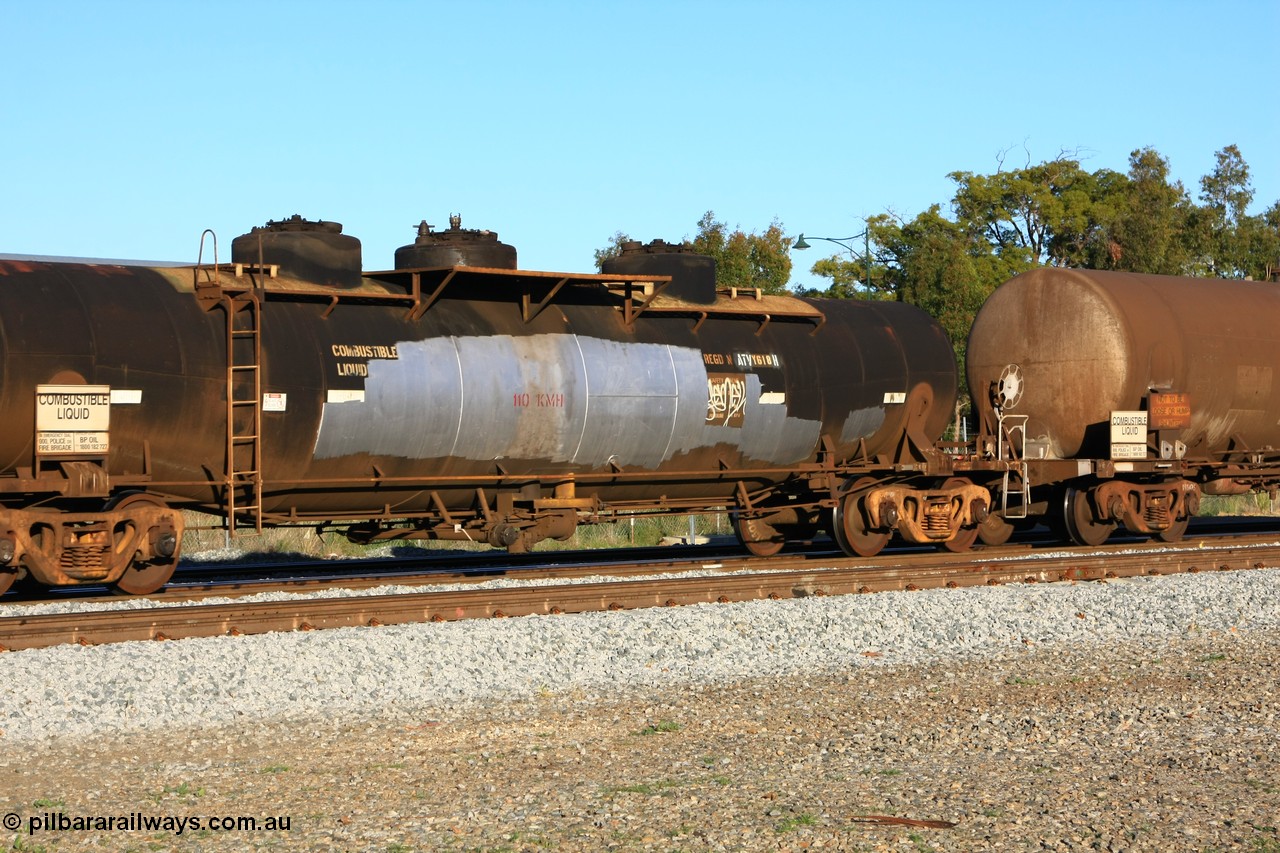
745	260
1218	229
612	250
742	260
1026	214
1057	214
1145	220
1053	213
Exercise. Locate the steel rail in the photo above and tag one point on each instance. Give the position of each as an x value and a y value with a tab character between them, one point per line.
316	575
203	582
164	623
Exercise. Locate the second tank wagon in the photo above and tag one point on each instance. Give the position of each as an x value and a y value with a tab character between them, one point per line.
463	401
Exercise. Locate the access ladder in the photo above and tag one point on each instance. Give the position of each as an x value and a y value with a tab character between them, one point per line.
244	407
241	302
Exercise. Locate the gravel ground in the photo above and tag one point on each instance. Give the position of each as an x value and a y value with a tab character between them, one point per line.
1131	715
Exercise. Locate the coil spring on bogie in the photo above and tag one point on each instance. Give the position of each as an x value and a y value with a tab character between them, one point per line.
84	561
1157	513
937	517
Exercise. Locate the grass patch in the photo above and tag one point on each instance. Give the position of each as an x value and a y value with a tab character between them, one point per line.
204	533
647	788
22	845
1256	503
1263	844
182	790
660	727
787	824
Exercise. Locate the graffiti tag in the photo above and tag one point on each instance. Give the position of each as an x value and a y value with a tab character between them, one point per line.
726	399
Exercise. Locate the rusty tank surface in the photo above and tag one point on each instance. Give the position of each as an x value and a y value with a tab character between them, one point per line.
1120	398
1077	345
455	402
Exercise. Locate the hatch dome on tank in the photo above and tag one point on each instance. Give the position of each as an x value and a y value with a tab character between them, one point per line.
693	275
314	250
456	247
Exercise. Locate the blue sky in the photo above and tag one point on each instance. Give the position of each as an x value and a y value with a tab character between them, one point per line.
129	127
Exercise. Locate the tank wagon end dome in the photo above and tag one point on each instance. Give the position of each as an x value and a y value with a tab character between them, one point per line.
315	250
1073	346
693	275
1092	342
456	247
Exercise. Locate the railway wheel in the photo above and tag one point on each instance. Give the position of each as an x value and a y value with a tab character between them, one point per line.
849	526
759	538
1175	531
141	577
963	540
1082	528
995	531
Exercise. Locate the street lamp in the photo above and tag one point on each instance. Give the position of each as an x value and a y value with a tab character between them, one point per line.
844	243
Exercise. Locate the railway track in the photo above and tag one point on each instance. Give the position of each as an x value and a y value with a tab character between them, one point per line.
199	581
794	576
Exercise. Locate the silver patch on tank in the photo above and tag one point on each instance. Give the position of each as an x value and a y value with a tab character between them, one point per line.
559	398
862	423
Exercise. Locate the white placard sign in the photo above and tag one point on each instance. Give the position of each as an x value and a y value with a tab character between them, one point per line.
73	420
1129	427
1128	435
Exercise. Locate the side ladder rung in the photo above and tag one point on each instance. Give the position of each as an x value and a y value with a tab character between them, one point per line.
244	330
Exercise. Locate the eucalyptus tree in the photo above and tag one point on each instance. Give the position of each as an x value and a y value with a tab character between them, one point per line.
745	260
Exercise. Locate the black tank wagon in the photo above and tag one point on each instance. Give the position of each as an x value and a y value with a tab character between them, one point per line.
454	397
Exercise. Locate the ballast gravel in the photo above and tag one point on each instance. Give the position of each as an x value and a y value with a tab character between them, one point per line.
75	690
1136	714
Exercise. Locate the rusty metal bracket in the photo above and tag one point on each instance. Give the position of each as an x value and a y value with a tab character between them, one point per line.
441	508
629	309
421	306
483	502
526	301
